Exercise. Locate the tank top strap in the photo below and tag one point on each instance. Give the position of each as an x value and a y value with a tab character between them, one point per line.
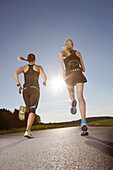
73	52
31	66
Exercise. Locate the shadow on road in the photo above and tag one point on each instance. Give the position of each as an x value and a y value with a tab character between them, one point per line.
104	146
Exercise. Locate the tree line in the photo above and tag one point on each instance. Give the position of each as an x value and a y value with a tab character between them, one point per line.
9	120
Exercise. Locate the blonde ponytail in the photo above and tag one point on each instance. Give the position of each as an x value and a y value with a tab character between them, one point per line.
69	45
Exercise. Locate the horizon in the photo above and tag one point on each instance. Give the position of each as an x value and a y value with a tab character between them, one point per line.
94	117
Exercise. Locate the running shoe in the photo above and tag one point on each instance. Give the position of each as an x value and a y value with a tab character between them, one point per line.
84	128
21	113
73	108
28	134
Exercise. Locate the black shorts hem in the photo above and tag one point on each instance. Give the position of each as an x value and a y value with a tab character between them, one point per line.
74	78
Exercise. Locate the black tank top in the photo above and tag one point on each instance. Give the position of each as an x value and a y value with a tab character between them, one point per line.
72	63
31	77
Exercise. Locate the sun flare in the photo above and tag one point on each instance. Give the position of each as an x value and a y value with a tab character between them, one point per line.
57	83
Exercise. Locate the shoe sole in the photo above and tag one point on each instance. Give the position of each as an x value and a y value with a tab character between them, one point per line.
26	136
73	110
21	115
84	129
84	133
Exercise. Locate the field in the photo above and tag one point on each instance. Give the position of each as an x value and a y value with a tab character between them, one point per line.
108	122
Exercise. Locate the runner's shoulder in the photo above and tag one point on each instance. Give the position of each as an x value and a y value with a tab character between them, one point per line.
38	68
24	68
61	52
78	53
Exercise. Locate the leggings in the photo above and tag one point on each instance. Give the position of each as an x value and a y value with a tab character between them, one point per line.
31	97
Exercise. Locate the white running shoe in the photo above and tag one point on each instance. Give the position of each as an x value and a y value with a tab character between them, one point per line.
28	134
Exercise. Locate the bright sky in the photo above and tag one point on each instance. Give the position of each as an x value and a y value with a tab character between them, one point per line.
41	27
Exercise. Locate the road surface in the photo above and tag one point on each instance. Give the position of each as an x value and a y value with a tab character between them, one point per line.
58	149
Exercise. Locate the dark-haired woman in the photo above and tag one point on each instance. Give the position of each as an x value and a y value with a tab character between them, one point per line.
31	89
73	76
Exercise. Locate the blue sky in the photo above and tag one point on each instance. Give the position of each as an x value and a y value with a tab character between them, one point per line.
41	27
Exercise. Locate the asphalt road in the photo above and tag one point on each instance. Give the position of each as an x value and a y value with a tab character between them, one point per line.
58	149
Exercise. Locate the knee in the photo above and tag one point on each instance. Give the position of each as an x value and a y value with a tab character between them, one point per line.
32	110
71	91
80	97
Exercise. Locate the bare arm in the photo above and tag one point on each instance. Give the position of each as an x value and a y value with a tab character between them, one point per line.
61	63
81	60
43	76
16	73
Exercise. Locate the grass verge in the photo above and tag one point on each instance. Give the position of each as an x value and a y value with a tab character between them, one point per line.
108	122
37	127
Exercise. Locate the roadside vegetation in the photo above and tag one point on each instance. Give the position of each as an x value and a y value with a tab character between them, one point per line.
108	122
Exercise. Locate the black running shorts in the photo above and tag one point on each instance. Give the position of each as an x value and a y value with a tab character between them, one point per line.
75	77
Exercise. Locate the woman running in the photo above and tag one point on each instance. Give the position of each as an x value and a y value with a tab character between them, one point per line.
31	89
73	76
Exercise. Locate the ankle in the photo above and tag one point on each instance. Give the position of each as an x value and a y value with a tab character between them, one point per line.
83	121
74	103
28	130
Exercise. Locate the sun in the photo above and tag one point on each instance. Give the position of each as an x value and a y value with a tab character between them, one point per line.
57	84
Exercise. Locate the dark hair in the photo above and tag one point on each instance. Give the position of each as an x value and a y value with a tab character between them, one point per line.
30	57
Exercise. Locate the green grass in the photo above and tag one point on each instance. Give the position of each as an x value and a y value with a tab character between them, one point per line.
108	122
12	131
37	127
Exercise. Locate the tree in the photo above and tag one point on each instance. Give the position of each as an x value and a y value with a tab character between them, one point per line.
9	120
38	118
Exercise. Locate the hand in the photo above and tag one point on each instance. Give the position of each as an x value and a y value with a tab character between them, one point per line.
19	89
44	83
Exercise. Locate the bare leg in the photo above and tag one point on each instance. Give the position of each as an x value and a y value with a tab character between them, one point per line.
82	104
71	92
30	120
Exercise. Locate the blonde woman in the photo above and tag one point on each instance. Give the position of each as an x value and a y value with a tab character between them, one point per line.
31	89
73	76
